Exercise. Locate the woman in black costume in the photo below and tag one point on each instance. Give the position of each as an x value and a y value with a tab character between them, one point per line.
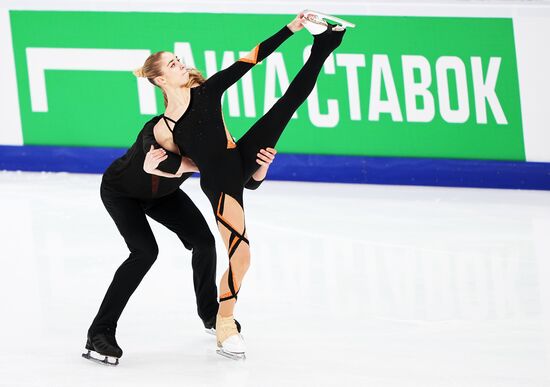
193	126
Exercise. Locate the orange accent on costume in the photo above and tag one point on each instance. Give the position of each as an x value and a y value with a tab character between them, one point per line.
154	184
251	57
219	204
233	244
230	143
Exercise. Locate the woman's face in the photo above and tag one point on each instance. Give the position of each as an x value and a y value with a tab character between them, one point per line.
176	74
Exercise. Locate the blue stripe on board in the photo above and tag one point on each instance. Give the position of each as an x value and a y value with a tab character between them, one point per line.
318	168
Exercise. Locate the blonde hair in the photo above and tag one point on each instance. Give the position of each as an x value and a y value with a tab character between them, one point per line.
152	68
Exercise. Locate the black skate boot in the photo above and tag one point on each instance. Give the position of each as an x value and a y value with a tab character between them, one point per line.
210	326
327	41
103	345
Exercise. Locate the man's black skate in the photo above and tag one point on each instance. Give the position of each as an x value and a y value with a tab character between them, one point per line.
210	326
104	346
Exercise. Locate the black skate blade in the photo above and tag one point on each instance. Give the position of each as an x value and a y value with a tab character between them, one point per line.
104	360
231	355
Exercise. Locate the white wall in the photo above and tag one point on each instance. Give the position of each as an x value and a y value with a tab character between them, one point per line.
10	131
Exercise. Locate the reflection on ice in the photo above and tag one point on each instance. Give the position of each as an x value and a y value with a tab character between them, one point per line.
387	286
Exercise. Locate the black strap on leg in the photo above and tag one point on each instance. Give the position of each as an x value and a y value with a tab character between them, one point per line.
234	233
233	295
221	204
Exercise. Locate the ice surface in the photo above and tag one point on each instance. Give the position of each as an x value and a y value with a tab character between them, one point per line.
350	285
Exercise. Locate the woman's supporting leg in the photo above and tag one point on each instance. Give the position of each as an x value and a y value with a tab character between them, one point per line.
230	219
179	214
130	220
267	130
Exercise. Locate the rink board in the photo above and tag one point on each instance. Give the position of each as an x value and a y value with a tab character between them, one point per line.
315	168
449	96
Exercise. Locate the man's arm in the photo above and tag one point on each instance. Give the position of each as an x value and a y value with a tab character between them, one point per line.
155	157
171	163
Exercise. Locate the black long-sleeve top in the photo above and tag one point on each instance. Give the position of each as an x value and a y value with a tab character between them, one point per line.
126	176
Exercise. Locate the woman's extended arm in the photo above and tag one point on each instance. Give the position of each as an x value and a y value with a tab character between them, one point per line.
223	79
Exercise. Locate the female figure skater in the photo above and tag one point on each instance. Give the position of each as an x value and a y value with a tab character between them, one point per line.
129	194
193	126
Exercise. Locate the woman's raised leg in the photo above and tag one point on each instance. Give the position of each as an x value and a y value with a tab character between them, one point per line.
267	130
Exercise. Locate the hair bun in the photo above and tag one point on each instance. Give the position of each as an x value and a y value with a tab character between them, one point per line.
139	73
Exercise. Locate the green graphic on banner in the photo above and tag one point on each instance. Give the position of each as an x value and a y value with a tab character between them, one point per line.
397	86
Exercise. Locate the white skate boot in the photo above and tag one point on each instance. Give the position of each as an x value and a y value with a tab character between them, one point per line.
316	22
230	341
210	326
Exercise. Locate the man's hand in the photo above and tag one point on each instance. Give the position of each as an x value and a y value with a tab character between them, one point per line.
266	156
153	158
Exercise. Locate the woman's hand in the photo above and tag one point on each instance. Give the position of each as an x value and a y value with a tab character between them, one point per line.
264	157
153	158
296	24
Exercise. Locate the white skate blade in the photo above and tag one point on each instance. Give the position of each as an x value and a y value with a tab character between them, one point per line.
233	344
342	22
233	347
314	28
231	355
101	359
